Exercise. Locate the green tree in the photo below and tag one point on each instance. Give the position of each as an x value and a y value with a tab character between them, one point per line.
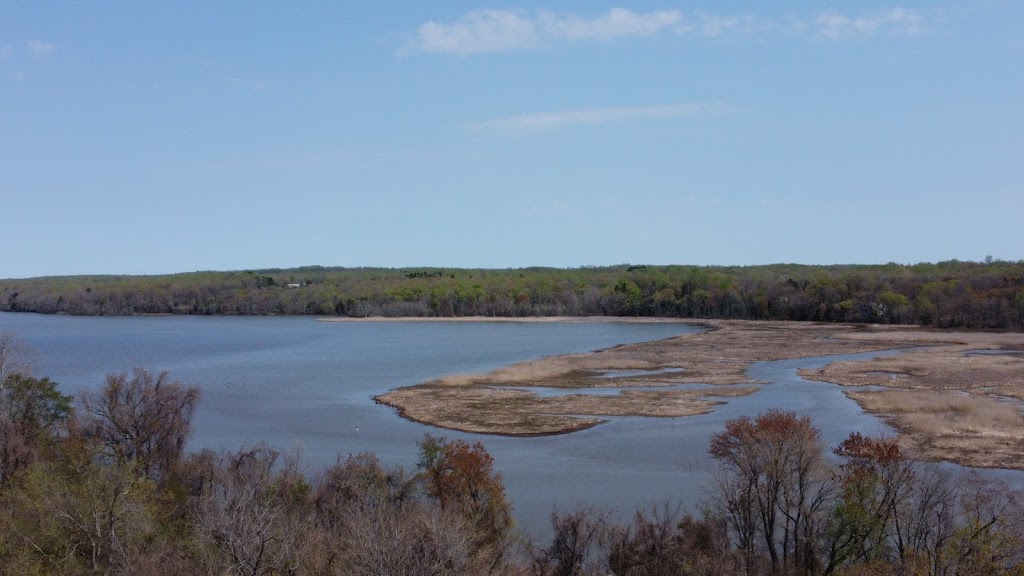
32	412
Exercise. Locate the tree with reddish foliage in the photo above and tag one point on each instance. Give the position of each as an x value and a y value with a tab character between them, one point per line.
772	488
461	477
876	483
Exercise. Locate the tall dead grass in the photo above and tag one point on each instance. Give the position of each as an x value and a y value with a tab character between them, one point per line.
947	425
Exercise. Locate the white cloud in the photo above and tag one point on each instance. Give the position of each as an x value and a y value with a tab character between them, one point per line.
40	49
5	53
478	32
893	21
485	31
716	25
544	121
614	23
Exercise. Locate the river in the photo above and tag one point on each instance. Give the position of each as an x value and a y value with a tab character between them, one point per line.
295	382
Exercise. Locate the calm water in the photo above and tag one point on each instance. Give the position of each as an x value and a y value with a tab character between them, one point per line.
297	382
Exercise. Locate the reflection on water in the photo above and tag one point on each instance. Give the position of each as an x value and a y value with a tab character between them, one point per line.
1011	353
553	392
297	382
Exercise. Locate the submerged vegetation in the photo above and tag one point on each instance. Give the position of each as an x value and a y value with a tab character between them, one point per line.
945	294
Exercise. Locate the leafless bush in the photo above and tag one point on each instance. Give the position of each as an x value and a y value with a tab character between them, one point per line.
16	357
360	482
576	547
415	541
250	517
662	541
145	419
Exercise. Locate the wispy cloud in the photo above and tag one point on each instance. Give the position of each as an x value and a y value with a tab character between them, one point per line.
5	52
544	121
901	21
487	31
484	31
40	49
479	32
710	25
615	23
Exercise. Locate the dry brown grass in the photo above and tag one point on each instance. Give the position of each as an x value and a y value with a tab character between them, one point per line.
944	368
942	399
721	356
949	403
510	412
942	425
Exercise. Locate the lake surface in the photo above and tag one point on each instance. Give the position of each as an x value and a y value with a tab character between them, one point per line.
294	381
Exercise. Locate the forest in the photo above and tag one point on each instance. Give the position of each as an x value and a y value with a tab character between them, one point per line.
954	293
101	483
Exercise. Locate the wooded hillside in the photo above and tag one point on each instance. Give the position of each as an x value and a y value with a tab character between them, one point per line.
948	294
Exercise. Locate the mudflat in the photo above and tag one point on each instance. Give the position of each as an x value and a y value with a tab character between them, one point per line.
957	397
952	395
503	402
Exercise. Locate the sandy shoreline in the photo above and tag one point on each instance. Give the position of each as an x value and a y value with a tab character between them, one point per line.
527	319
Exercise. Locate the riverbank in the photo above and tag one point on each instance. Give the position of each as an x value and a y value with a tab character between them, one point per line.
949	398
513	319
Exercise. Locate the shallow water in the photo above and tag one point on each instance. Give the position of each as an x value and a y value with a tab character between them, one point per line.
553	392
298	382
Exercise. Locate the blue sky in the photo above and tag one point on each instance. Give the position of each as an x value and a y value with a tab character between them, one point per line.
137	137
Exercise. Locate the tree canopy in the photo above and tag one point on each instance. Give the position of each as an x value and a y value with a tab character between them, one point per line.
945	294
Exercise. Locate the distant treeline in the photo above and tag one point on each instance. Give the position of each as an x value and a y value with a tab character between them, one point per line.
954	293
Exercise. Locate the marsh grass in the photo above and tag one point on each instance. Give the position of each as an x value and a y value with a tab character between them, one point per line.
954	397
966	428
947	403
489	403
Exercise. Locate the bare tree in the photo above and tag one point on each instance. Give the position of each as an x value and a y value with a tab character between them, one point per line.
990	538
773	486
420	540
16	357
250	516
146	418
662	541
360	482
576	545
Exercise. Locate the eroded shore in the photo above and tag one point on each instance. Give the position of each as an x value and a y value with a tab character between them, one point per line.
952	395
